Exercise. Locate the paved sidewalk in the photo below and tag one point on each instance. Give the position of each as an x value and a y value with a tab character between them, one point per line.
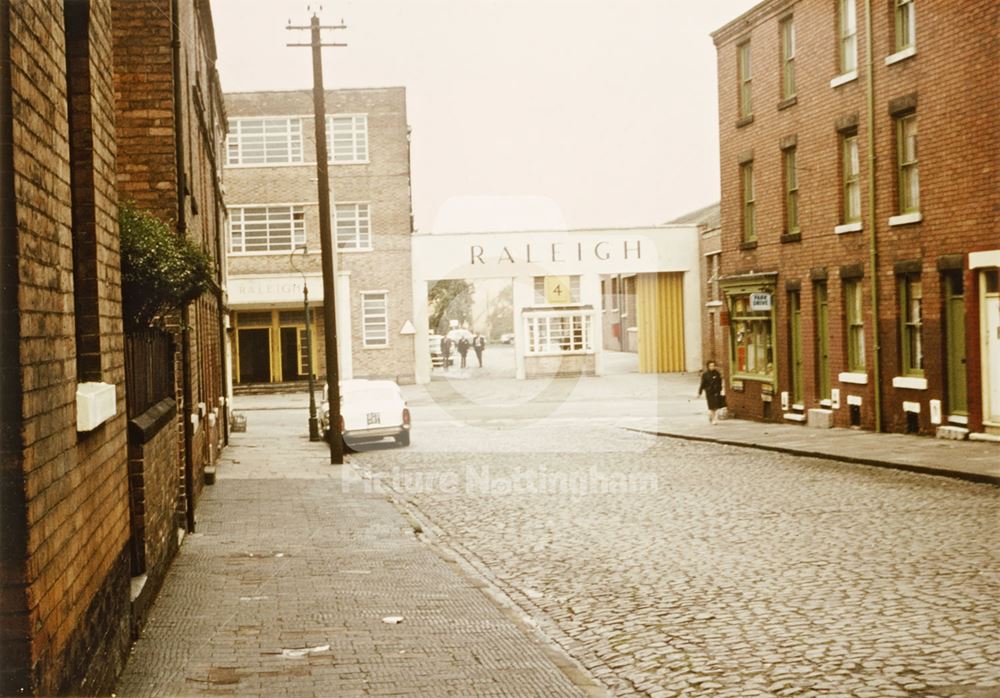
286	586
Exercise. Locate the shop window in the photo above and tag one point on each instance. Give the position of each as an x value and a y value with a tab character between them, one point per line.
751	338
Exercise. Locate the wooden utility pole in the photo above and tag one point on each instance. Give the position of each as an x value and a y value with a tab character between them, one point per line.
326	235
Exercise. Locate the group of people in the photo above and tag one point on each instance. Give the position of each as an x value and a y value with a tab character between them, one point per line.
477	344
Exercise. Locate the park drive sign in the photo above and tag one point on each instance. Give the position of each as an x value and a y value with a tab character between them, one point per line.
760	301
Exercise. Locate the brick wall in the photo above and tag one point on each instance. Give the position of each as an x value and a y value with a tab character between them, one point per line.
384	182
951	78
65	581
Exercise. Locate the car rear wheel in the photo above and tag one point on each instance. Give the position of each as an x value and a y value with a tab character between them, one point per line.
403	439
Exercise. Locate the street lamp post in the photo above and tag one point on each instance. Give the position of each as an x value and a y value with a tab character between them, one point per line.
313	421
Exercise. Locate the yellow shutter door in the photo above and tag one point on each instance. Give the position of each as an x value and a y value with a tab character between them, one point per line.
660	306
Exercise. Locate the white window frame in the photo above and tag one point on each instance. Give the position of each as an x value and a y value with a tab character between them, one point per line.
357	134
376	340
274	214
286	139
540	340
847	35
359	234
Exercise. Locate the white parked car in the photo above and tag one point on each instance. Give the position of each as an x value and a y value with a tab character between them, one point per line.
370	411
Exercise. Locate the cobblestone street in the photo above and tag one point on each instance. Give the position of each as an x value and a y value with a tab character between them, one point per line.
676	568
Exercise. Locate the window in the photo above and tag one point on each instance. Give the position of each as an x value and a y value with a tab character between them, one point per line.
909	181
911	323
558	332
375	318
746	94
851	176
906	24
266	229
848	36
353	226
347	137
855	326
750	336
557	286
791	192
264	141
787	58
746	183
712	264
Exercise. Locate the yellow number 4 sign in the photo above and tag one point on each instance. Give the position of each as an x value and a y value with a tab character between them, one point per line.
557	289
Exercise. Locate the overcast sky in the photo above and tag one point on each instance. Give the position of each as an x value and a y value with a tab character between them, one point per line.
524	113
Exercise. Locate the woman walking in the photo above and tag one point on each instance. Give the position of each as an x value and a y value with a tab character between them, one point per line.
711	385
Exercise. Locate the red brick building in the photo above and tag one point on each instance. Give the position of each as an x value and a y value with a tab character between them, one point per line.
98	99
860	273
64	512
170	125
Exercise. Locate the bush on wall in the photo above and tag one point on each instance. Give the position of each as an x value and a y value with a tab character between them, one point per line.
161	271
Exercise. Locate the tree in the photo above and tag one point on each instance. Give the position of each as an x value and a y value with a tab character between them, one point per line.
500	316
449	300
161	271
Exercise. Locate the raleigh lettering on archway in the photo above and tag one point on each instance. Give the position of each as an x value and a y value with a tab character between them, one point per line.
559	334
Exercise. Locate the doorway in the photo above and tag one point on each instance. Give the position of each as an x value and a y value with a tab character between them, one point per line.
255	355
990	284
822	341
954	312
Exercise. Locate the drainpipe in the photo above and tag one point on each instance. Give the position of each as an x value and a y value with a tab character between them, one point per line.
872	236
175	45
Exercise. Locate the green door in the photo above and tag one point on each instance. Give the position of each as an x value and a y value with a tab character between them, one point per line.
795	336
822	342
958	402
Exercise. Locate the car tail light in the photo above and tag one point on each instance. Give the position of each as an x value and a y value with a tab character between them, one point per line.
406	417
341	424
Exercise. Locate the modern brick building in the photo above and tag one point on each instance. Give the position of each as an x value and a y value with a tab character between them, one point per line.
860	272
270	179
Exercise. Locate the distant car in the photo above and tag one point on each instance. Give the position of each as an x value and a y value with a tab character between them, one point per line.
507	338
437	358
459	333
370	411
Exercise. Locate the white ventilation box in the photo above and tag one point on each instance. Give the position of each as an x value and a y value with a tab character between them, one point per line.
96	403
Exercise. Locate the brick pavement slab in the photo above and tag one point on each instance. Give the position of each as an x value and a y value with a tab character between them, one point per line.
287	583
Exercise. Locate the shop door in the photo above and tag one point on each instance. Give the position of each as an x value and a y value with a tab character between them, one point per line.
255	355
991	346
958	402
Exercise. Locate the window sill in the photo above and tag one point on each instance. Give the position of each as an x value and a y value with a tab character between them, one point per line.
844	79
748	245
853	377
744	121
353	250
901	55
791	237
752	377
714	304
906	218
909	382
790	102
826	403
847	228
958	419
375	346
